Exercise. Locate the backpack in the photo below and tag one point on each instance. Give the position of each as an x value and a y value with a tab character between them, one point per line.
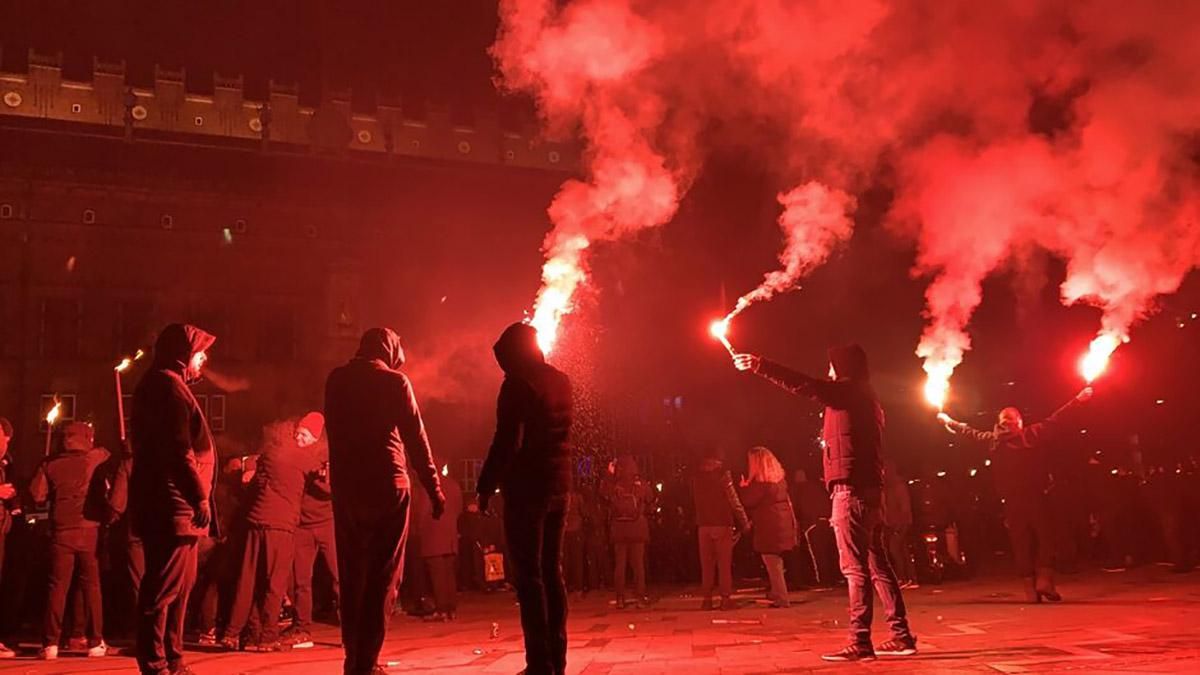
626	504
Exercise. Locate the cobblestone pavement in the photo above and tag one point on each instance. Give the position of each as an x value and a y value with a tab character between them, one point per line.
1142	621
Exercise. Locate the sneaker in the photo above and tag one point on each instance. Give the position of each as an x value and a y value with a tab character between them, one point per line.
229	643
266	647
181	669
208	638
48	653
99	650
6	653
897	648
298	638
851	653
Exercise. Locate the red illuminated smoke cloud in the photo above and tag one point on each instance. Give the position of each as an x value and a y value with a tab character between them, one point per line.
946	94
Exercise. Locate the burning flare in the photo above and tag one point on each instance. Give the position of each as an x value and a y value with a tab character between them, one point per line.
1094	363
719	329
937	382
561	277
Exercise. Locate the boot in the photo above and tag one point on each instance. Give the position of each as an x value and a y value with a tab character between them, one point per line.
1031	594
1045	585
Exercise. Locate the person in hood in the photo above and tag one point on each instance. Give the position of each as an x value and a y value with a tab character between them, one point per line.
1022	477
629	498
852	459
719	514
376	439
70	483
272	515
529	462
170	491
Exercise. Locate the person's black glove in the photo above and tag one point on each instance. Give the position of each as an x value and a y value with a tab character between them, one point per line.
439	504
203	516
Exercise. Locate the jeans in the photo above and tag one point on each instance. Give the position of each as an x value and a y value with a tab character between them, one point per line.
535	542
266	568
1031	530
716	554
71	551
311	542
858	525
779	590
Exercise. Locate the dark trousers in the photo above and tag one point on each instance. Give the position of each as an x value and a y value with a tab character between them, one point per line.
535	543
630	554
858	525
716	560
573	560
74	551
370	547
262	582
162	601
1031	531
595	551
897	539
442	581
213	581
312	542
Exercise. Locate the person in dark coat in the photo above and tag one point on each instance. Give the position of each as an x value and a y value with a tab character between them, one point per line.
69	481
437	546
719	514
853	445
766	497
314	537
272	516
1022	476
8	495
529	461
170	491
376	439
629	500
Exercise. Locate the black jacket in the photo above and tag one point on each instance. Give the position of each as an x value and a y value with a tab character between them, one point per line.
73	486
717	503
530	455
854	420
173	450
770	508
275	496
376	435
316	508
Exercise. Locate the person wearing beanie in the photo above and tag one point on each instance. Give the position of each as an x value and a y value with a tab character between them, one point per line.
377	445
314	536
529	462
289	455
852	458
69	482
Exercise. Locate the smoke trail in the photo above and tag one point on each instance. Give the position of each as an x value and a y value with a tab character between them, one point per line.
814	220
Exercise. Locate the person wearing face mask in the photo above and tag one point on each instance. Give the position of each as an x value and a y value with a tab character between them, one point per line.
272	516
1023	481
170	492
377	446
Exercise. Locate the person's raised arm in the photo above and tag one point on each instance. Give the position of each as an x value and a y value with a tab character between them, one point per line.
416	445
1050	423
965	430
790	380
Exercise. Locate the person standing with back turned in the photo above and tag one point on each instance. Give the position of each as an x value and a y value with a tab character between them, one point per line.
376	438
529	462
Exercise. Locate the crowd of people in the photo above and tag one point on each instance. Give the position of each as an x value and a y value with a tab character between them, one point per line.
320	516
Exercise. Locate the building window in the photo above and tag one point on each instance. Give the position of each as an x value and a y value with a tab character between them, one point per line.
213	406
66	412
470	474
60	328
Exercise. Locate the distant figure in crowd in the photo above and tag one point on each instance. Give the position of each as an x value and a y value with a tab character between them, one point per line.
898	514
529	461
170	492
376	438
1022	475
315	535
766	497
719	515
437	547
69	481
272	516
853	440
818	548
8	497
629	498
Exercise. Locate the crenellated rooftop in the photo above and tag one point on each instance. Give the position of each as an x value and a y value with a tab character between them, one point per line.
109	104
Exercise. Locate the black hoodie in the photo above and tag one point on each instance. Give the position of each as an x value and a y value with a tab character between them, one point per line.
854	421
173	451
530	458
373	423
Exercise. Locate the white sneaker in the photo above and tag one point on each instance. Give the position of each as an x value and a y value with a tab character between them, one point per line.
48	653
101	649
6	653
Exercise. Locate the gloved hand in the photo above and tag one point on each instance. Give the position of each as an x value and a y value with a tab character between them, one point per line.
439	505
203	516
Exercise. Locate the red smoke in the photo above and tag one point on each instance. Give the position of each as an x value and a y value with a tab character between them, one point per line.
1067	126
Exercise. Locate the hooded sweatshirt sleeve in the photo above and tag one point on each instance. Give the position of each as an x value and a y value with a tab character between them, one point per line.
1049	424
506	438
416	441
967	431
825	391
180	456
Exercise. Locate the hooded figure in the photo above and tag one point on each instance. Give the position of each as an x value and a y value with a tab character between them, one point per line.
170	490
376	438
853	442
529	462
